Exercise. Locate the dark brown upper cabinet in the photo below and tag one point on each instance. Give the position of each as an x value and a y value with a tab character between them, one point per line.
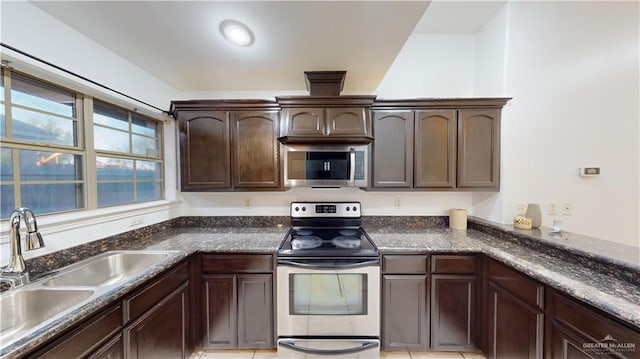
204	150
479	148
255	153
392	151
435	149
228	145
325	119
414	148
437	144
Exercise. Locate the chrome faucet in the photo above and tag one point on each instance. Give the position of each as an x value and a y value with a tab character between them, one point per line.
15	274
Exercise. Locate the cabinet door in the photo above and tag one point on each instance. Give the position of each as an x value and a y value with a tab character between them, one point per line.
435	149
404	314
87	338
393	149
162	331
515	329
568	344
303	122
453	312
347	121
577	329
255	307
204	150
479	149
255	149
220	311
111	350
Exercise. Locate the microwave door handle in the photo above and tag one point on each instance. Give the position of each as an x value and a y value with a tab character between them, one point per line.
352	167
366	345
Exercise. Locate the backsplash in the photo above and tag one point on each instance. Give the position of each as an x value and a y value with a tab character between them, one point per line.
604	256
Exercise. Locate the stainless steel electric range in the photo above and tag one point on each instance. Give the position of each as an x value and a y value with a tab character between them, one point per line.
328	284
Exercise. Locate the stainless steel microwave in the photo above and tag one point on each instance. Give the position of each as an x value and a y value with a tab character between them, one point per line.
325	165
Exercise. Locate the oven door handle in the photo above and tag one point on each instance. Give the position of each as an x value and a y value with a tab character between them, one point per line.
366	345
330	265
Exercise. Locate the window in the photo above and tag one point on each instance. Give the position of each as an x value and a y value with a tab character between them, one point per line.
45	161
127	163
42	158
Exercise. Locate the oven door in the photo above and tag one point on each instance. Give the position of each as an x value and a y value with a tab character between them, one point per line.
290	348
328	297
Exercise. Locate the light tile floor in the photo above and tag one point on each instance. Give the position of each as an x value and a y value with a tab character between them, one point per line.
385	354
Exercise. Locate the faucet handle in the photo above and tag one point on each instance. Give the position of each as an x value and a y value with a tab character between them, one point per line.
34	241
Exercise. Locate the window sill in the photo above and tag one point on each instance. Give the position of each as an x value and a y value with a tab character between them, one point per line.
55	223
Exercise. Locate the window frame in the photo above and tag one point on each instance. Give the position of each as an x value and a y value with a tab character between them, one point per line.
83	146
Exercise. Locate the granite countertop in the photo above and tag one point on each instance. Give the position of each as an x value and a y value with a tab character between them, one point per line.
604	291
618	296
184	241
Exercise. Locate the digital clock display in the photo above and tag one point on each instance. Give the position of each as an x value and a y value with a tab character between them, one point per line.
325	208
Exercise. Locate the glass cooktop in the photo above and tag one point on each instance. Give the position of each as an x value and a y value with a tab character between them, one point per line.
316	241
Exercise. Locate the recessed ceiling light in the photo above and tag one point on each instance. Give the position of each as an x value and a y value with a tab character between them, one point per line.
236	32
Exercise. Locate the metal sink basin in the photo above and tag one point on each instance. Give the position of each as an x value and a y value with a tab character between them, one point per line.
23	309
107	269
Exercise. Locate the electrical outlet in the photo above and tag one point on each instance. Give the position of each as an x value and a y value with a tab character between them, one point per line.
396	202
522	208
247	203
552	208
567	208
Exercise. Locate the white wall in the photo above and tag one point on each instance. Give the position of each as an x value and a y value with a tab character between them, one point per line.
277	203
572	68
431	66
29	29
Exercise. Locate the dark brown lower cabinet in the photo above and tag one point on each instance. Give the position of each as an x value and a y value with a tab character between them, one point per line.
162	331
89	339
404	303
221	323
238	310
111	350
455	302
237	300
575	330
567	343
255	308
515	328
151	322
453	312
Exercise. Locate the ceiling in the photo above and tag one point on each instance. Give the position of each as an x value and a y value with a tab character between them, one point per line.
179	42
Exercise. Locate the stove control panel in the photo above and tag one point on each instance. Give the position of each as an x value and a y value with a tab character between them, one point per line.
325	209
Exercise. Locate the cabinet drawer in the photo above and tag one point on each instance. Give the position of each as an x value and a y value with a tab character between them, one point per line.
518	284
87	338
151	295
404	264
250	263
454	264
590	322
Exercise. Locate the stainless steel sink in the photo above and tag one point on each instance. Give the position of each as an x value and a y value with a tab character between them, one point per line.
23	309
107	269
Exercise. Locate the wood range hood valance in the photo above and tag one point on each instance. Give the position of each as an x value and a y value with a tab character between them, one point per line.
324	116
